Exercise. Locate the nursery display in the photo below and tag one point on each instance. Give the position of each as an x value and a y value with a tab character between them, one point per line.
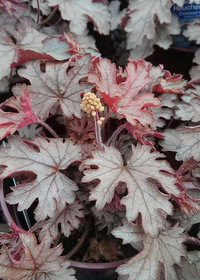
100	148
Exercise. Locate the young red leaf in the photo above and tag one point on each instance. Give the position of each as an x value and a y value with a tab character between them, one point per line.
57	83
52	188
143	194
11	121
81	130
166	249
40	261
140	133
171	84
121	91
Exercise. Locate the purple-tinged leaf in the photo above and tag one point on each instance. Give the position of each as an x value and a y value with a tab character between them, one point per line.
161	38
52	188
57	83
68	219
28	47
184	141
189	108
143	15
39	259
187	271
82	12
166	249
143	194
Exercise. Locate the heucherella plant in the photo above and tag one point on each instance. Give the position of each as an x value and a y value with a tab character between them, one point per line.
98	155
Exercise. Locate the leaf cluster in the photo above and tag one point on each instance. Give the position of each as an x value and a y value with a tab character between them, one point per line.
89	144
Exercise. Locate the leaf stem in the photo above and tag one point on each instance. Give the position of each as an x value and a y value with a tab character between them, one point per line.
35	226
193	241
38	11
49	17
115	134
80	242
48	128
106	118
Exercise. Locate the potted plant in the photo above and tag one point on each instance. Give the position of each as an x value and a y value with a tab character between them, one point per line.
99	164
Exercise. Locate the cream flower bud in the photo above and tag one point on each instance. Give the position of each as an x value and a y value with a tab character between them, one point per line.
91	103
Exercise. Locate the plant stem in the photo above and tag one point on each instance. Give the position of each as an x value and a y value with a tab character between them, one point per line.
170	122
48	128
49	17
57	240
193	241
106	118
80	242
98	133
38	11
34	227
115	134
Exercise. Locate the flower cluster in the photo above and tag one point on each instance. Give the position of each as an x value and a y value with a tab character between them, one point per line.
91	104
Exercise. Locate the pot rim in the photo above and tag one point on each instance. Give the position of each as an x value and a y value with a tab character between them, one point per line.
182	49
4	207
97	266
74	264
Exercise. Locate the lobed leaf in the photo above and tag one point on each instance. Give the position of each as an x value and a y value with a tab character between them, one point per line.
57	84
143	15
171	84
165	111
40	262
82	12
187	271
193	31
184	141
52	188
28	47
189	108
121	90
161	38
68	219
166	249
143	194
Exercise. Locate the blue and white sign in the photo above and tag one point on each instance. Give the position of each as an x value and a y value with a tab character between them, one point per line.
186	13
